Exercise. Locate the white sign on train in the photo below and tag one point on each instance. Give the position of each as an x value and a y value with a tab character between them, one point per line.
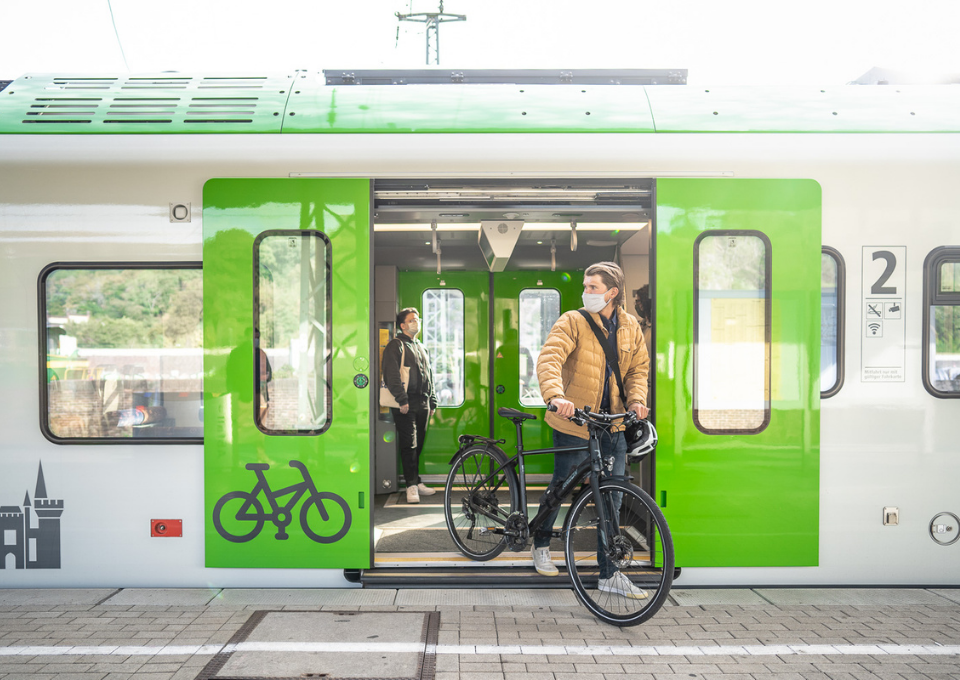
884	288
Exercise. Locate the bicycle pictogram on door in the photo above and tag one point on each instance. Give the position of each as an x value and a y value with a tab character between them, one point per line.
239	517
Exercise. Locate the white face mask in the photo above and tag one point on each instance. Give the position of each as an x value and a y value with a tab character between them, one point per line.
413	327
594	302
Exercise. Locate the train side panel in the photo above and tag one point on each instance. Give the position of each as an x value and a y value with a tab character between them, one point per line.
70	199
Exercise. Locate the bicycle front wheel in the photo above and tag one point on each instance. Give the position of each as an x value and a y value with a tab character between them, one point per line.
477	501
622	573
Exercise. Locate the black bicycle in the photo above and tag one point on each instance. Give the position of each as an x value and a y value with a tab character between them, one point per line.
611	525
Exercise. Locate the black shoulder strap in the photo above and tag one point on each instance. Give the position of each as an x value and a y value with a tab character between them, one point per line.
609	349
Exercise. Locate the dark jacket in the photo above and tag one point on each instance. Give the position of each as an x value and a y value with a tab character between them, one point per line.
416	359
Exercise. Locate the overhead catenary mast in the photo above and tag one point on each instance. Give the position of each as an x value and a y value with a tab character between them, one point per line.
432	21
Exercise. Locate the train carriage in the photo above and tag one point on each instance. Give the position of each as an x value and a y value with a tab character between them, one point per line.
201	273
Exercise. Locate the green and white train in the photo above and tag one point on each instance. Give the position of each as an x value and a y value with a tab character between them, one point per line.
199	274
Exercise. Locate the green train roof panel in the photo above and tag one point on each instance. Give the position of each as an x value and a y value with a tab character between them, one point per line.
144	104
301	103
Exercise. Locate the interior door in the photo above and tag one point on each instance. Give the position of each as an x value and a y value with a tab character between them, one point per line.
454	311
526	304
737	353
287	282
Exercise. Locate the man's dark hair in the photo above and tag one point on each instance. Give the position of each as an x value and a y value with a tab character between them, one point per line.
402	316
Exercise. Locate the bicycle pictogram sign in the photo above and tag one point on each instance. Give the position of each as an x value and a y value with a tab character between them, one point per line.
239	517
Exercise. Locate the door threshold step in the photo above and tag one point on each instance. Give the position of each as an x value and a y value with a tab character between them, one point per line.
461	577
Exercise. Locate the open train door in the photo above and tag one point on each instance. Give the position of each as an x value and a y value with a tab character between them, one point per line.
738	356
287	373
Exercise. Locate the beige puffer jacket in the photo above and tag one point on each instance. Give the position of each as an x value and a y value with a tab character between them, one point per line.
572	365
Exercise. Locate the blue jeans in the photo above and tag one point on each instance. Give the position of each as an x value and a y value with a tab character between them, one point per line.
611	444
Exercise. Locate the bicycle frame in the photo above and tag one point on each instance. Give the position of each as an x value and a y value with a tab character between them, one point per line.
298	490
592	467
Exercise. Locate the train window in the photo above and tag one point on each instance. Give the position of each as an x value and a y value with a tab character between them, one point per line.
941	333
122	352
539	310
293	350
731	322
443	331
831	322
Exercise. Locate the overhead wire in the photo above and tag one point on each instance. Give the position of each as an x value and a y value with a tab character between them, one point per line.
117	33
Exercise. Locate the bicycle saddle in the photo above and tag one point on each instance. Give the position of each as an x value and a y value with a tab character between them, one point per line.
514	414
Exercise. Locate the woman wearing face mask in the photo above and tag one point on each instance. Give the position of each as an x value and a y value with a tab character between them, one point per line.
417	401
574	372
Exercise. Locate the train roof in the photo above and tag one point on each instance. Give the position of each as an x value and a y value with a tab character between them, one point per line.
303	102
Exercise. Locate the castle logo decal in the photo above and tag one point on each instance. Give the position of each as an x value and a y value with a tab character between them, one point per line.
31	533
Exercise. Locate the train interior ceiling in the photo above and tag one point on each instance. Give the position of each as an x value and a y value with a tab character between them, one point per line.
584	221
528	233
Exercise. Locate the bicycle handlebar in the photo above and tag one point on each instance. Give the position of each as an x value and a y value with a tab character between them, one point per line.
586	416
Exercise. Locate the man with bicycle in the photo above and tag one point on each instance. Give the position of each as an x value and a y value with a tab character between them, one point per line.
574	371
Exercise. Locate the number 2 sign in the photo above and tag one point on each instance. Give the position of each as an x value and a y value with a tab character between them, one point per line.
884	288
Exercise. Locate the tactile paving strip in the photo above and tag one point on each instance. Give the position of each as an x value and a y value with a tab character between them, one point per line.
266	649
169	597
277	597
55	596
952	594
505	598
850	596
694	597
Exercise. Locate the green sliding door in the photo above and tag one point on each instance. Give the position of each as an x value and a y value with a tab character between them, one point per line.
737	369
455	330
287	373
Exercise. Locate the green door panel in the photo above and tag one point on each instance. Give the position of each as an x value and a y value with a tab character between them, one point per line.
507	363
235	213
741	499
472	416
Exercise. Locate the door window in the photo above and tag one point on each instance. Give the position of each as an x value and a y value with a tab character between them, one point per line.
731	373
942	323
539	310
442	337
831	322
292	346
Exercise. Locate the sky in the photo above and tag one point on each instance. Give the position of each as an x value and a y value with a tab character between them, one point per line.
730	42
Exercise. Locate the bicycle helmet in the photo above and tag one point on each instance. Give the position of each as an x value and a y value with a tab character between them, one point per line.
641	439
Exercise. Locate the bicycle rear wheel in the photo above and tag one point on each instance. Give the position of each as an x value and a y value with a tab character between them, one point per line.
639	549
477	501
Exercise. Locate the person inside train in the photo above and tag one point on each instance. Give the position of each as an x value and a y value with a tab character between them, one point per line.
415	403
574	372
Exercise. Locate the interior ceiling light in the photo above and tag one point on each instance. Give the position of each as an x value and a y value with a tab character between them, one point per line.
509	194
441	226
527	226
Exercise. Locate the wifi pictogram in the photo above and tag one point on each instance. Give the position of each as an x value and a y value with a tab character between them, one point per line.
874	328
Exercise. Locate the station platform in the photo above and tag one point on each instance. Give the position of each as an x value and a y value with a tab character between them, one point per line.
483	634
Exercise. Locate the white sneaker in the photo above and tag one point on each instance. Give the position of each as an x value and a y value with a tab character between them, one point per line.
619	584
412	495
425	490
542	562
